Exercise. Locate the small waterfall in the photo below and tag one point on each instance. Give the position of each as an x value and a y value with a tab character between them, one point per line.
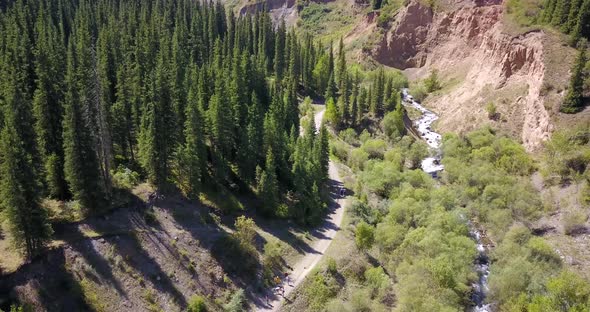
433	166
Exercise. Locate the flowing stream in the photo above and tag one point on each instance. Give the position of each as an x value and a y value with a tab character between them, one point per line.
433	166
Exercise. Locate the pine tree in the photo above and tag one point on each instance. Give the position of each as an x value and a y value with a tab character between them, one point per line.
220	120
573	100
344	101
362	104
122	112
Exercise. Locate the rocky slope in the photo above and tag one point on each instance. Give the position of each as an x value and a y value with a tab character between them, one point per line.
128	260
480	63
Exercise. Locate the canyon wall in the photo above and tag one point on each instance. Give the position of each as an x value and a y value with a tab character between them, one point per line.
479	64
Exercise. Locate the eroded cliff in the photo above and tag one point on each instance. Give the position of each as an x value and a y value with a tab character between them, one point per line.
480	63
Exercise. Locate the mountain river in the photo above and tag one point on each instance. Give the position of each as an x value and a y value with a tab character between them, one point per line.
432	165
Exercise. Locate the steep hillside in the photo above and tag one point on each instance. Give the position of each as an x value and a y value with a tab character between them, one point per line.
480	63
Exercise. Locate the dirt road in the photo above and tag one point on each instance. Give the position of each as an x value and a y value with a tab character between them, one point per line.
325	233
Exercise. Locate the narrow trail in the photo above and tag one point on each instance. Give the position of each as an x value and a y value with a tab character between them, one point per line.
325	233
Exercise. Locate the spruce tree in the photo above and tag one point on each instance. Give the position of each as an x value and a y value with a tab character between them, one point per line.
547	15
572	15
156	139
331	90
268	190
322	153
332	115
80	161
28	221
47	108
377	95
560	12
279	56
573	100
342	73
191	154
582	26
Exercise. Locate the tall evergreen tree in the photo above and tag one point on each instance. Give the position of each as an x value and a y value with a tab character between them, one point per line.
28	221
80	162
279	56
156	141
582	26
573	100
268	186
341	71
47	104
191	155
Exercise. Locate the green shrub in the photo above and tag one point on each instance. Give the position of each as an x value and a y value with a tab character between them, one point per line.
375	148
272	255
432	83
197	304
349	136
319	291
332	266
419	92
364	235
491	110
340	150
364	136
574	222
376	279
236	303
393	125
125	178
524	12
542	251
236	257
357	159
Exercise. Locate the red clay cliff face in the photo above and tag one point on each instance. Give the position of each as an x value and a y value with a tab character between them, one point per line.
467	45
402	46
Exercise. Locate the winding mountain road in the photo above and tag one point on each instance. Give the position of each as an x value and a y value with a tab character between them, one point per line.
325	234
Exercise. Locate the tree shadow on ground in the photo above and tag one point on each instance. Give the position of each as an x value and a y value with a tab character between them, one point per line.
76	240
121	231
41	289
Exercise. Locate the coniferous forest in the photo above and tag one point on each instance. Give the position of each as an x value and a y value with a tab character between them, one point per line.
184	94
